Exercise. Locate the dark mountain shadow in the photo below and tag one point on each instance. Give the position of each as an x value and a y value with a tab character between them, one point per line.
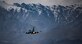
67	41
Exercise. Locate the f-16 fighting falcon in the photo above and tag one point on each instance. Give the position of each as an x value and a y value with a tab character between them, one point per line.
32	31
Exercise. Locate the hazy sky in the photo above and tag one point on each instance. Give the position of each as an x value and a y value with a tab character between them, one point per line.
47	2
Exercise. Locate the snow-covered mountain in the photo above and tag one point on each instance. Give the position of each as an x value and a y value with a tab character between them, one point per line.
62	14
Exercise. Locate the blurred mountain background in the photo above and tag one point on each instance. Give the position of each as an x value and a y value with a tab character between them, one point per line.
59	24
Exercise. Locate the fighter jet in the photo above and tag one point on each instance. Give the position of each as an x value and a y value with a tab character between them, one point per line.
32	31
